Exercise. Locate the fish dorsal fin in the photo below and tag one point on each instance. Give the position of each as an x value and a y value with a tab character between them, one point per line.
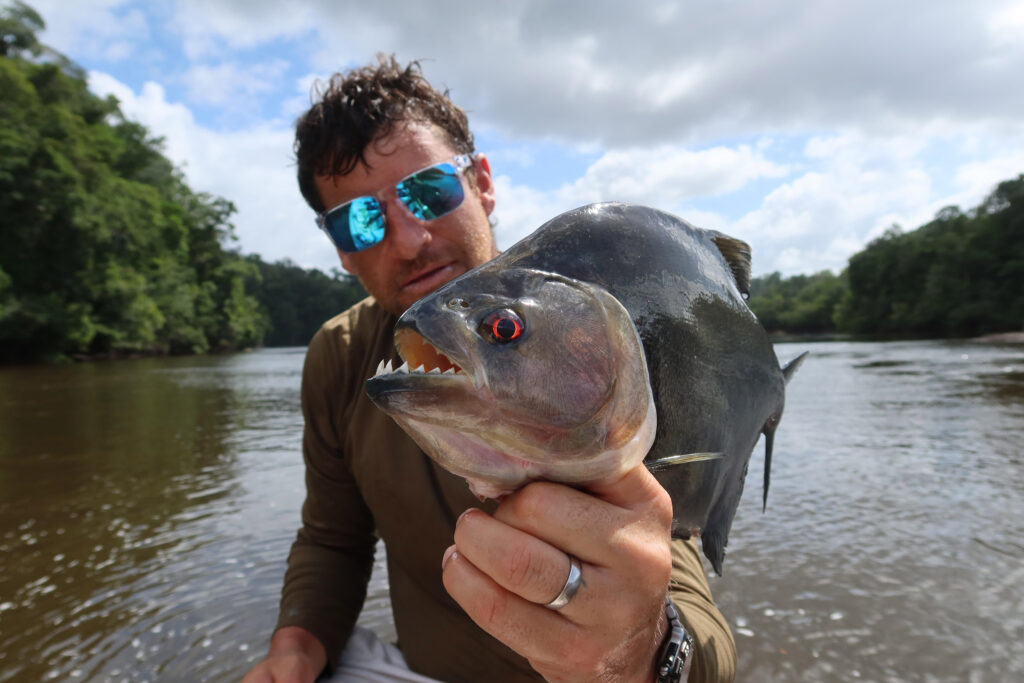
737	255
792	366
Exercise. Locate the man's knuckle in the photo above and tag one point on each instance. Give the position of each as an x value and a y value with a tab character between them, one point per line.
662	508
532	501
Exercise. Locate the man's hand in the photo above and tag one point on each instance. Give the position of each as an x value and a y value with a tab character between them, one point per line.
296	656
503	569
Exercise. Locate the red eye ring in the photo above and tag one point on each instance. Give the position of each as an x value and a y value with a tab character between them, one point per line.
504	326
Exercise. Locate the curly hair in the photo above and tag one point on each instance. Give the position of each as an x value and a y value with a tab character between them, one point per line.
358	107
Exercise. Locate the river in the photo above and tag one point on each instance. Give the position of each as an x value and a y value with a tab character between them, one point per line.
147	506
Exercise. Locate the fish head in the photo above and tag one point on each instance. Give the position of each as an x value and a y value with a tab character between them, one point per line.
515	374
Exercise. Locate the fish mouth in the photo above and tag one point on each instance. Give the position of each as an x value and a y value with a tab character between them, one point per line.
424	365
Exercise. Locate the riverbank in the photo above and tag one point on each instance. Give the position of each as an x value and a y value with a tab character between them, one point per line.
994	338
1001	338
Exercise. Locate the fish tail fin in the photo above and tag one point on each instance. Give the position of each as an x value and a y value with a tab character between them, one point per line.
792	366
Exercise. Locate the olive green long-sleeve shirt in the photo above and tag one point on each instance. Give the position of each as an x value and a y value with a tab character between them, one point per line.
365	478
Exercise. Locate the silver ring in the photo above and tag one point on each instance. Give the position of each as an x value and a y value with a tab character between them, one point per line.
572	584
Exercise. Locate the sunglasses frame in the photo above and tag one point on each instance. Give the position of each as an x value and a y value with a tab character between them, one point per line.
461	162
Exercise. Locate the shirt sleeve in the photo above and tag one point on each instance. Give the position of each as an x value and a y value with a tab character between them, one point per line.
332	557
715	650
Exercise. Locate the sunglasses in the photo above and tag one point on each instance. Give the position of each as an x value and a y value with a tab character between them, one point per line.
428	194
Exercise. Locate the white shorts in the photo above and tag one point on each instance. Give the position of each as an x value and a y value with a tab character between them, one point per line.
368	659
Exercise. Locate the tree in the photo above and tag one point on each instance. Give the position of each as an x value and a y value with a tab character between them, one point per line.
19	25
958	275
298	301
106	248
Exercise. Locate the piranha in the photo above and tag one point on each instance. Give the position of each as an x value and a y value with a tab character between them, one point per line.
614	333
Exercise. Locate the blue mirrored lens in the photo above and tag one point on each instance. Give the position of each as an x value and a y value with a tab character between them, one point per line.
431	193
357	225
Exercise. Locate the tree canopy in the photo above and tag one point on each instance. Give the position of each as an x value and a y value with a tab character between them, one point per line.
106	250
298	301
959	275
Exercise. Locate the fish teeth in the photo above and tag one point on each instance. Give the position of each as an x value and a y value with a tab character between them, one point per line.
387	367
434	371
449	371
419	369
440	353
404	367
380	368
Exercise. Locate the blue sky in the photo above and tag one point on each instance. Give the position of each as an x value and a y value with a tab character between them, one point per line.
803	128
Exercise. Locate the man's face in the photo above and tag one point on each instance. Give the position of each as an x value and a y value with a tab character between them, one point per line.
415	257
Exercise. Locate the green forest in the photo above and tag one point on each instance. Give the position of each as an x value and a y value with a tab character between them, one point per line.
106	250
960	275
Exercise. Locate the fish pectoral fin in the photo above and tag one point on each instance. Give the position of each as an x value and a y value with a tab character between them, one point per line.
792	366
672	460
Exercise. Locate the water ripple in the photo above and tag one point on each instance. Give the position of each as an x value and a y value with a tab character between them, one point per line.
146	537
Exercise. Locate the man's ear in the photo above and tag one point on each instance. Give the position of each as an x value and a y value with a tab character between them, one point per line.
484	183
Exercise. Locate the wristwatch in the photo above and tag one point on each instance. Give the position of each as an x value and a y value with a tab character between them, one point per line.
674	656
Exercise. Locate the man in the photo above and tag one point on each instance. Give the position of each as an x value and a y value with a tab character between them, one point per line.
479	592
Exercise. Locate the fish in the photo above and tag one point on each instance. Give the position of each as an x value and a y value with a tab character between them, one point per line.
615	333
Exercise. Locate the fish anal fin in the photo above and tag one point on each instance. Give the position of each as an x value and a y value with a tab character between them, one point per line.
769	442
713	544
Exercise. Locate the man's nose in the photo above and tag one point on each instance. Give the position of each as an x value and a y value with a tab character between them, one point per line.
408	235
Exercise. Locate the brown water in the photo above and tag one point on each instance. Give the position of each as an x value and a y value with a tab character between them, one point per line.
146	508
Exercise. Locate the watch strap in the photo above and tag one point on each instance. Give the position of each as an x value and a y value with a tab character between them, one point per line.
675	654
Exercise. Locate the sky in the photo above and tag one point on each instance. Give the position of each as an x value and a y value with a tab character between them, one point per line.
803	128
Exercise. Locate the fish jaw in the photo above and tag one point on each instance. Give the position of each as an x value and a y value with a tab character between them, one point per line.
430	383
493	472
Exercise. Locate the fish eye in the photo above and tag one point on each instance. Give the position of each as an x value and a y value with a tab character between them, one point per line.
502	327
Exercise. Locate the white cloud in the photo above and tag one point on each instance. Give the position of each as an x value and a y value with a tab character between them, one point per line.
628	74
851	189
665	177
230	83
520	210
1006	25
101	29
859	186
979	178
214	28
903	111
668	176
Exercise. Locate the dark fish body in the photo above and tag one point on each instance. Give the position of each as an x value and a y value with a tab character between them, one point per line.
713	374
